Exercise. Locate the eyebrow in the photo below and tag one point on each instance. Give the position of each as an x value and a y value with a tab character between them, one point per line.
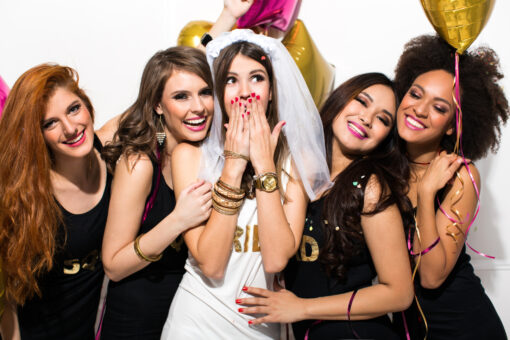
436	98
252	72
384	111
368	96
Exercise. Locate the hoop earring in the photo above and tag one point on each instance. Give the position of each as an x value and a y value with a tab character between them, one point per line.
160	132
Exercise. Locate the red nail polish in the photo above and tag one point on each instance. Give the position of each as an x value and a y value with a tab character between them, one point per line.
245	288
250	322
249	100
248	113
241	310
284	124
253	94
237	99
243	115
232	101
240	104
258	97
238	300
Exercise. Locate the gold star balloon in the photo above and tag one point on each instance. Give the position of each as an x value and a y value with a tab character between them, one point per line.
318	73
458	22
191	34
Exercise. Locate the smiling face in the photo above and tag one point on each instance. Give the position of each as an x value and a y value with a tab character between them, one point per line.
365	121
426	112
246	77
67	126
187	106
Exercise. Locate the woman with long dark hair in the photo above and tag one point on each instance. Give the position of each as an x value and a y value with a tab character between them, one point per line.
143	254
263	176
354	232
54	195
442	185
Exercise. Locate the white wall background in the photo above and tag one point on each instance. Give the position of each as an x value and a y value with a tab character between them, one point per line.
109	42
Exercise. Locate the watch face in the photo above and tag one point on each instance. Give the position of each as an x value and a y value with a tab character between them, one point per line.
269	183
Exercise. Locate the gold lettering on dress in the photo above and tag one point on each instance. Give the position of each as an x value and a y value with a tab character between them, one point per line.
89	262
313	245
247	238
237	244
71	266
256	244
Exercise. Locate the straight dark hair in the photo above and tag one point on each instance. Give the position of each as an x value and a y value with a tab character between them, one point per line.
344	202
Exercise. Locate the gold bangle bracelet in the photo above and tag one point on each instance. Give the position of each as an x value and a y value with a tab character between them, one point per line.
232	154
141	255
227	193
224	211
230	187
225	202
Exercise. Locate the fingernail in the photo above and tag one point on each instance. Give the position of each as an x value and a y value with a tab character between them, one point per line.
253	94
258	97
240	104
232	101
249	100
241	310
237	99
250	322
284	124
248	113
245	288
243	115
238	300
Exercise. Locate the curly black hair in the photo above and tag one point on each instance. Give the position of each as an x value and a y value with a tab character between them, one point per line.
484	105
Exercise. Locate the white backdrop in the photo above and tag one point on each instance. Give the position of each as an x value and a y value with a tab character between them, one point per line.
109	42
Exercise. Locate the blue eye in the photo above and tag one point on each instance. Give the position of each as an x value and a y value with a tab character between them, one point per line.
180	96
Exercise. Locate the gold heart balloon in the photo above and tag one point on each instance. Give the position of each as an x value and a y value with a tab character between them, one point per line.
318	73
191	34
458	22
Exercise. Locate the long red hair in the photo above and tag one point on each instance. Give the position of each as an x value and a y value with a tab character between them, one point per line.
29	214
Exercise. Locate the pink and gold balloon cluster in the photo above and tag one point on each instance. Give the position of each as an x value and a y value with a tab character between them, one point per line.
279	15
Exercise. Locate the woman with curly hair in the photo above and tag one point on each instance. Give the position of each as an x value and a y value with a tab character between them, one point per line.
355	231
143	254
453	300
54	195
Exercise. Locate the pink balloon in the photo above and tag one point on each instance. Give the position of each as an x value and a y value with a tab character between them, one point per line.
279	14
4	91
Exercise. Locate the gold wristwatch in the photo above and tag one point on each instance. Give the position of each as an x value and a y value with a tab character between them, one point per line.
267	181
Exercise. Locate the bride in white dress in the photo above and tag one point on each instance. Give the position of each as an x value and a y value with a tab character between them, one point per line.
265	155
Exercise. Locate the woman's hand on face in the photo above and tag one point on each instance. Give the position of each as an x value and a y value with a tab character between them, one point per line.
263	141
237	138
237	8
194	204
278	306
439	172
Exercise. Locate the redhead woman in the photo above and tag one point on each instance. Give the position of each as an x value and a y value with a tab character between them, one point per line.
263	176
354	232
143	254
453	300
54	195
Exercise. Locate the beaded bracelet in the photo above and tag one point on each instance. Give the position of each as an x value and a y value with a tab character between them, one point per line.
141	255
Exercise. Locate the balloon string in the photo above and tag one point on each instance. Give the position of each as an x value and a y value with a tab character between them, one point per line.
458	194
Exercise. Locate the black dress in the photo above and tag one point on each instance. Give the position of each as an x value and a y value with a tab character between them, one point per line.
70	296
137	306
305	277
458	309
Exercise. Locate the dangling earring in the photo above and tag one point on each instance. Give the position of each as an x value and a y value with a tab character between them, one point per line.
160	133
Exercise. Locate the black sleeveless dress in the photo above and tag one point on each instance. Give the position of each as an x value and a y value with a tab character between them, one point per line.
458	309
68	305
305	277
137	306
